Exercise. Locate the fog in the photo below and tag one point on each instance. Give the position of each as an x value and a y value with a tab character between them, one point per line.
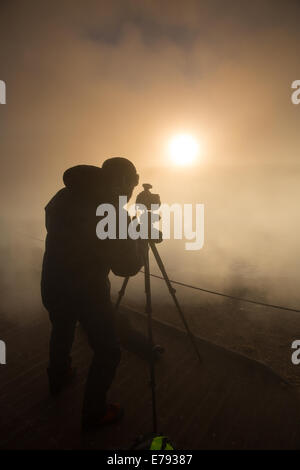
89	80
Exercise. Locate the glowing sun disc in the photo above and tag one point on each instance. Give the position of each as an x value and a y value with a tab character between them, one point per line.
183	149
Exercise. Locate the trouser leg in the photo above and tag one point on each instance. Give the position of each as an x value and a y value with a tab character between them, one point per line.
63	320
61	340
100	329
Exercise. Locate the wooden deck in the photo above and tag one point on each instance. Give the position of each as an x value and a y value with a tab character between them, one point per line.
227	402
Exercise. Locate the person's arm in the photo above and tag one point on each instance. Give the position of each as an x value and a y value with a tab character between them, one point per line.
126	254
125	257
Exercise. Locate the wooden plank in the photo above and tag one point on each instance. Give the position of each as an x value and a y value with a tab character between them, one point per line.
226	402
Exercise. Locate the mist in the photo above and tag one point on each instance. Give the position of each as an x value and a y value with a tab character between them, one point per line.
90	80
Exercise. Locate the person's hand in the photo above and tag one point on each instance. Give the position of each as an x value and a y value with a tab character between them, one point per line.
154	235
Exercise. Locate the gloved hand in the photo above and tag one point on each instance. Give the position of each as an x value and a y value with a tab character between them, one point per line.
154	235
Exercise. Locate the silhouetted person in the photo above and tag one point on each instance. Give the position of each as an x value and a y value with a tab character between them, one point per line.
75	285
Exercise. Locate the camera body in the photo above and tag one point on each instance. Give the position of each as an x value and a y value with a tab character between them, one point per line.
147	198
149	217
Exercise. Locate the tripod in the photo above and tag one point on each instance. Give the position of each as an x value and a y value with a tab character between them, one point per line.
148	309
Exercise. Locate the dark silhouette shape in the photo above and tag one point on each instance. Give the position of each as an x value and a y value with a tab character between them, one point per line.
75	284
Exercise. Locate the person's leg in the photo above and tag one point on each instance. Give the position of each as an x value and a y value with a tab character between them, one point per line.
100	328
61	340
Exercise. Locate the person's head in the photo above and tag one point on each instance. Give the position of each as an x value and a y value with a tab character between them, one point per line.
120	175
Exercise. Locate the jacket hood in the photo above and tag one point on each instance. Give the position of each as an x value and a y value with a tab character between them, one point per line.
82	177
82	180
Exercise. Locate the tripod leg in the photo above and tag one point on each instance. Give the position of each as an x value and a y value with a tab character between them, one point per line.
121	292
173	295
150	337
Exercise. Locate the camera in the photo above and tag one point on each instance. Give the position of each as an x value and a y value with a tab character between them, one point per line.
149	217
147	198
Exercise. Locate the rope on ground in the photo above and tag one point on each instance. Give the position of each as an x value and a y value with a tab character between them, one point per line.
227	295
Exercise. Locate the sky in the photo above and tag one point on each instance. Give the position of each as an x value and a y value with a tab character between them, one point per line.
87	80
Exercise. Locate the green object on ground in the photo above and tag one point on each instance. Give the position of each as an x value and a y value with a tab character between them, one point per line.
161	443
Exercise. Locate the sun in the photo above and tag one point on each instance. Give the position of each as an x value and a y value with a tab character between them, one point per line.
183	149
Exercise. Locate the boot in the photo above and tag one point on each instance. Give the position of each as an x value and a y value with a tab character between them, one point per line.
113	413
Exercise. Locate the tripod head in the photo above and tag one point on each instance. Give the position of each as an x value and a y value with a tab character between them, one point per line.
147	198
151	202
